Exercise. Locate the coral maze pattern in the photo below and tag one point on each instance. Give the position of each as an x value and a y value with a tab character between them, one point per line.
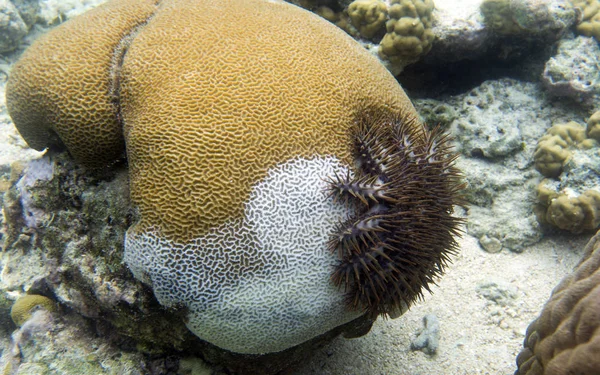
260	283
404	189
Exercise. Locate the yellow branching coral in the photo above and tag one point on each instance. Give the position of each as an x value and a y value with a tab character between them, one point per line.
24	307
368	16
590	23
552	151
409	35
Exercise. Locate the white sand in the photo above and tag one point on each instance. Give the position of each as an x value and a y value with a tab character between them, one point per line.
477	335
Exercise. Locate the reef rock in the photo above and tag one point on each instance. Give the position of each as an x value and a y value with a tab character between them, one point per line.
497	126
63	237
471	29
408	31
574	72
12	26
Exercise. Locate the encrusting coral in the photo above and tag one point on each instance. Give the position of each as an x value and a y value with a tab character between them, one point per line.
590	22
409	32
575	210
528	19
498	16
593	126
24	307
552	150
574	75
368	16
565	338
229	144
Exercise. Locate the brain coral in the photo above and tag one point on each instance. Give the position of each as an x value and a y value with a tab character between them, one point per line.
24	307
76	110
235	115
565	338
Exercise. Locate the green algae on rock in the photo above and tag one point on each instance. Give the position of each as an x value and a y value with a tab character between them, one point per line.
79	223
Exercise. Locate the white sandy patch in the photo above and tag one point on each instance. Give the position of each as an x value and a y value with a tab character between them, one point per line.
477	335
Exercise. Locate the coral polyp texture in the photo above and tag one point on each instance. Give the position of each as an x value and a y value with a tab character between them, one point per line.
409	33
565	338
590	20
593	127
235	115
573	213
368	16
569	199
65	109
554	148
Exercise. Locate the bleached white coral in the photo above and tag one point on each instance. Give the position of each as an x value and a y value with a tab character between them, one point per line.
262	283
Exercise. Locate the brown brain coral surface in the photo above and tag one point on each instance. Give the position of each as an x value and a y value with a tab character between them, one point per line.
248	85
60	91
565	338
234	114
258	88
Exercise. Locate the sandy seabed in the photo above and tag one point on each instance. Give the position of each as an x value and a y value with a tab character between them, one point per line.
477	335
